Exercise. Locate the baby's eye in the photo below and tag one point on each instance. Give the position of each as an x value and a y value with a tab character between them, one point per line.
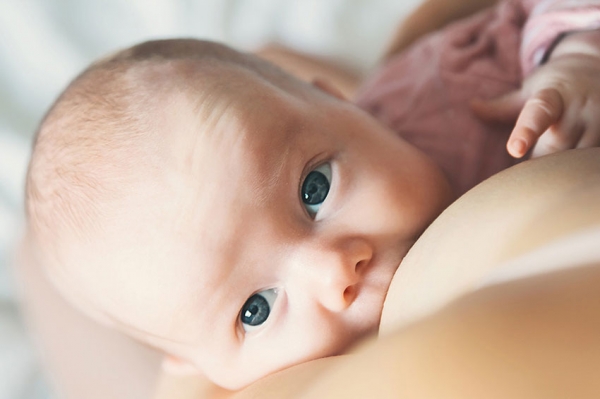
315	188
257	308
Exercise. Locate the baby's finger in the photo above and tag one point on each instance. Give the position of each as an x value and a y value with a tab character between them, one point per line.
563	135
591	136
540	112
553	141
589	139
504	109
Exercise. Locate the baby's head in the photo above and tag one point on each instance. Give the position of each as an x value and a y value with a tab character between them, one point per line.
210	205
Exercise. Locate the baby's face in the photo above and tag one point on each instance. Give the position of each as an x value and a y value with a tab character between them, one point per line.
265	238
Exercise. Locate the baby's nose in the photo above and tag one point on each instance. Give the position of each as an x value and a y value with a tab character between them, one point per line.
337	273
337	289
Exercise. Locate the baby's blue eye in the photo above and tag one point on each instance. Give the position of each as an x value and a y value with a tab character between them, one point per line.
316	187
257	308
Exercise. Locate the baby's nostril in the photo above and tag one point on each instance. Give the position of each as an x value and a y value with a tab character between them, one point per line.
360	265
349	294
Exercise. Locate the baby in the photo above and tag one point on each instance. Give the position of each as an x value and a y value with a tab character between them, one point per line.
211	206
242	221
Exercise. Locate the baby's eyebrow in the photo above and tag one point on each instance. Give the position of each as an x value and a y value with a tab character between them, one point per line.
272	162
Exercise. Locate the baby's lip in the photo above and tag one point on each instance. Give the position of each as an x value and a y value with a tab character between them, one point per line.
377	278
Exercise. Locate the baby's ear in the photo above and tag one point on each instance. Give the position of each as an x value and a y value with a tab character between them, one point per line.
328	87
177	366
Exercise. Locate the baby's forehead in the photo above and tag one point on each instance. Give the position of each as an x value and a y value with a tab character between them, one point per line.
242	124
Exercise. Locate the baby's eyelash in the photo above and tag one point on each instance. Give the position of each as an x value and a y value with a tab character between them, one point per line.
315	188
257	309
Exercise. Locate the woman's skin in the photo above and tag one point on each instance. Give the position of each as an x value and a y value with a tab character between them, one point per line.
503	217
531	337
310	68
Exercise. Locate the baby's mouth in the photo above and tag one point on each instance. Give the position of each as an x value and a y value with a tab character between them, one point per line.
380	272
376	281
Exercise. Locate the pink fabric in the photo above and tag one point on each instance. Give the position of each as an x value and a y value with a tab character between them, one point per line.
547	19
424	93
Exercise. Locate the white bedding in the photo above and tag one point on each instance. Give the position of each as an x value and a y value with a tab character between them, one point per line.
45	43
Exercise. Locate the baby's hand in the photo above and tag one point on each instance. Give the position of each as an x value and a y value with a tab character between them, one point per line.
558	105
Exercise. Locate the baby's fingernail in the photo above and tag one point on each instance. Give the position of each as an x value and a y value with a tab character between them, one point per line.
518	147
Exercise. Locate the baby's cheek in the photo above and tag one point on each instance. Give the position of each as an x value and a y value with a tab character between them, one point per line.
389	210
368	206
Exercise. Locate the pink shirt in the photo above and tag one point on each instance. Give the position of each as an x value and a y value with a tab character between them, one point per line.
424	93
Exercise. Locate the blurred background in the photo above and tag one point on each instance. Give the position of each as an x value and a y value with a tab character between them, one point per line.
45	43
